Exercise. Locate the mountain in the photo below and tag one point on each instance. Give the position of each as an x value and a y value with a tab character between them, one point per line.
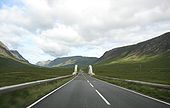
14	69
4	51
146	61
18	55
69	61
149	48
12	54
3	45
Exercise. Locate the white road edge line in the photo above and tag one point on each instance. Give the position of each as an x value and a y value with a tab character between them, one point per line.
91	85
88	81
103	97
49	94
135	92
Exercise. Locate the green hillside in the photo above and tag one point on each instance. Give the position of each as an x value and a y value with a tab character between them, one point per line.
145	68
13	72
145	61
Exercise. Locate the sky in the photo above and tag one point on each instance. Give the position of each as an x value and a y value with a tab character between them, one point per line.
47	29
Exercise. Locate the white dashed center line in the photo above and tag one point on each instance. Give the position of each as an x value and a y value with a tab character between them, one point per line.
98	92
91	84
103	97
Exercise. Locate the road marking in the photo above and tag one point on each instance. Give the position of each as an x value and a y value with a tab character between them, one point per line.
135	92
87	79
84	76
91	84
103	97
98	92
50	93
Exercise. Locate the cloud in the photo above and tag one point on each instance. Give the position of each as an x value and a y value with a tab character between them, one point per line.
13	35
58	40
81	27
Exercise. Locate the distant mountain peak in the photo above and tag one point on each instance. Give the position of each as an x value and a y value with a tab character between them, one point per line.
18	55
69	61
14	54
3	45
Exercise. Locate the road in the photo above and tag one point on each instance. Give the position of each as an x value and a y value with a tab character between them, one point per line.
87	92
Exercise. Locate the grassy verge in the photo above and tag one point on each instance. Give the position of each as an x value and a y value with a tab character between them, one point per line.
162	94
11	78
13	72
24	97
132	71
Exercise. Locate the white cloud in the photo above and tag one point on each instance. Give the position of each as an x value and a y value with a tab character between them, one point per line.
83	27
13	35
58	40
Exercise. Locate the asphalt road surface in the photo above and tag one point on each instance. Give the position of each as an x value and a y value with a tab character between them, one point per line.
87	92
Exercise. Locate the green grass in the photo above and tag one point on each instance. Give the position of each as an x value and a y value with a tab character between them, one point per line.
14	72
24	97
153	69
162	94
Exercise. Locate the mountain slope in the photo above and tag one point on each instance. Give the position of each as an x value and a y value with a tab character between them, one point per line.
146	61
15	72
15	69
150	47
3	45
4	51
18	55
13	54
69	61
